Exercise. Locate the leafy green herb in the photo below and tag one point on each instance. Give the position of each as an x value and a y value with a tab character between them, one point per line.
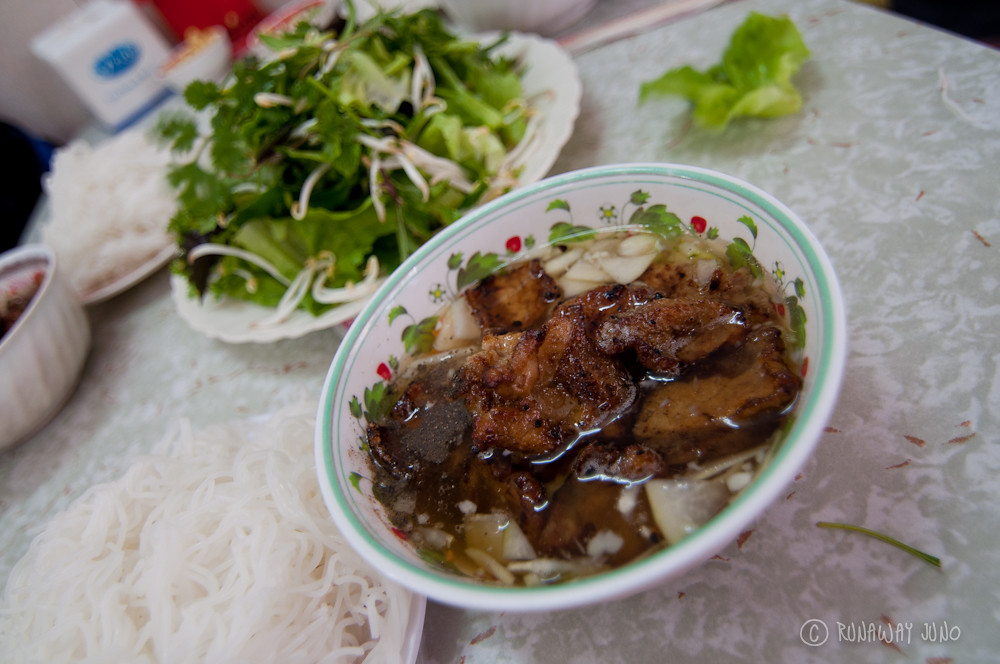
926	557
754	77
339	148
436	558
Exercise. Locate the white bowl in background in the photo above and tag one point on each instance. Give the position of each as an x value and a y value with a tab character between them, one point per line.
204	55
543	17
375	342
43	353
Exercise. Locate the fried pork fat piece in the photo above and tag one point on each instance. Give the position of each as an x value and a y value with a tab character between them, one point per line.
516	299
722	406
533	391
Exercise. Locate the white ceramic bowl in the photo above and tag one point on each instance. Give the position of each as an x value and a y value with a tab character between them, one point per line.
544	17
204	55
586	197
42	354
286	18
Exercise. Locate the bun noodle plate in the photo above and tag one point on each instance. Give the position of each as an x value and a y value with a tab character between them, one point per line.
110	204
215	548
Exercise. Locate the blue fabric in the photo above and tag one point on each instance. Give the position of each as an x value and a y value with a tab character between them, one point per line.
26	159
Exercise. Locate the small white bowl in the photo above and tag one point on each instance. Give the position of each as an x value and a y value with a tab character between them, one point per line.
43	352
543	17
591	197
204	55
316	12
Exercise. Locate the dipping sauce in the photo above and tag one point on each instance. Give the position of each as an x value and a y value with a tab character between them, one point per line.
617	394
16	296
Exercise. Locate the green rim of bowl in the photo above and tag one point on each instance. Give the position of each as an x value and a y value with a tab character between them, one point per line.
810	419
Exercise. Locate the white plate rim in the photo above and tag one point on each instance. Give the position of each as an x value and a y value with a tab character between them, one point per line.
131	278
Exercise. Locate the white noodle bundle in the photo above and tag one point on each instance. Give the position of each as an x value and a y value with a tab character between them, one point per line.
216	549
110	205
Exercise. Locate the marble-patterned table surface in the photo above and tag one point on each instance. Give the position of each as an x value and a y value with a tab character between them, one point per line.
895	163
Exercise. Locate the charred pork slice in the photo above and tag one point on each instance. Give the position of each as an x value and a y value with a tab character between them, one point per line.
595	306
668	333
723	406
623	465
513	300
737	288
531	392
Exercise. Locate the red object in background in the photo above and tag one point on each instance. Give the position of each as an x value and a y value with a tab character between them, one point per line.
238	17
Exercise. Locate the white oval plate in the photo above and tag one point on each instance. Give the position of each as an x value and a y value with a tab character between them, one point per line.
130	279
553	86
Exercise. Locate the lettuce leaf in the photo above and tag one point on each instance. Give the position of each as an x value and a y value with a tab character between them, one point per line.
754	77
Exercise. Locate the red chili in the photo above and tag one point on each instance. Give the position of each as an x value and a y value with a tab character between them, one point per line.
514	244
699	224
384	371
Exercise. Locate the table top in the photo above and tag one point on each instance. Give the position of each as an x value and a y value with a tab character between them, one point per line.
894	162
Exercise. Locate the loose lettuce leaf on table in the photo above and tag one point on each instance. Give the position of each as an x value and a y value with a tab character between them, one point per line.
754	77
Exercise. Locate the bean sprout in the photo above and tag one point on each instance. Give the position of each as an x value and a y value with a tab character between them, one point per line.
300	207
212	249
271	99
